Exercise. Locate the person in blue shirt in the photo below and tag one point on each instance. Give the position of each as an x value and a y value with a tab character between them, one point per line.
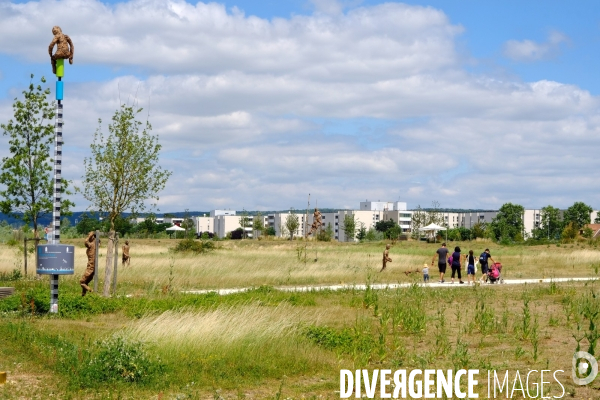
483	260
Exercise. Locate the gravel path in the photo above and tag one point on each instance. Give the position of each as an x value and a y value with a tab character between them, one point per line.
433	284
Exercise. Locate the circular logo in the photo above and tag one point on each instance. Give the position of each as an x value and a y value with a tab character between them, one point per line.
585	368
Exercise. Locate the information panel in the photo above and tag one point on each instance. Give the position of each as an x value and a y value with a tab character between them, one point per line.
56	259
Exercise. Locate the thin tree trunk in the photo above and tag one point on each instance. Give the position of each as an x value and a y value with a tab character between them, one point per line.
109	264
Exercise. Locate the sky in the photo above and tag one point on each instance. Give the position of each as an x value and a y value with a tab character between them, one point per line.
258	103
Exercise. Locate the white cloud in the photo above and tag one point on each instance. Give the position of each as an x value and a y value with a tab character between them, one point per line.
528	50
243	106
172	36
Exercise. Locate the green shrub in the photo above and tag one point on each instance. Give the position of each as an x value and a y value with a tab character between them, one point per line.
118	359
194	246
15	275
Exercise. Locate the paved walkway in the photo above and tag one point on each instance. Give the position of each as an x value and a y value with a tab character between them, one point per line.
386	286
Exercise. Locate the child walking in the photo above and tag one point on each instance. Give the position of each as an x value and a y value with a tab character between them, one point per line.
470	260
425	273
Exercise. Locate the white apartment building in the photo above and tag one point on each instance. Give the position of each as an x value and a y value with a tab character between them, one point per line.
279	220
382	206
214	213
205	224
222	222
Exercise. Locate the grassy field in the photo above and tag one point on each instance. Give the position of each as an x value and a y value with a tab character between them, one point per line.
152	341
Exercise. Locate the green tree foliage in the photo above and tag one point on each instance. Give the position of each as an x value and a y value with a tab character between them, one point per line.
389	228
418	220
588	232
478	230
189	225
88	223
569	233
579	214
460	233
349	226
551	224
27	172
122	225
325	235
123	172
258	225
508	223
361	235
245	222
292	223
383	226
270	231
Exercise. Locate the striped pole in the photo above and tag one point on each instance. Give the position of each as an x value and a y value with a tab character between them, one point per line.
58	142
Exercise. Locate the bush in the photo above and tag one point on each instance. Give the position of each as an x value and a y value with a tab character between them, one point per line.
194	246
119	359
15	275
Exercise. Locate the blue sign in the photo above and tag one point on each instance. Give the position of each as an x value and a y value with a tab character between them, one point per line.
56	259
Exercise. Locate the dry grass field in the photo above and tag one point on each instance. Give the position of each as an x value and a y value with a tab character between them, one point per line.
161	343
278	263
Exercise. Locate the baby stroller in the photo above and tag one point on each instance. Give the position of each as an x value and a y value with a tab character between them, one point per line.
494	273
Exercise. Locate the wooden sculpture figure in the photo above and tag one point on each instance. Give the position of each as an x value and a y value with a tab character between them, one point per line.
316	223
64	48
88	275
386	257
125	258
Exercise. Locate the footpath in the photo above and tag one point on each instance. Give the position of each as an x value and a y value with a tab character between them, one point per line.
383	286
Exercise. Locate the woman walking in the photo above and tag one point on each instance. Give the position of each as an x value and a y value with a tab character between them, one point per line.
456	264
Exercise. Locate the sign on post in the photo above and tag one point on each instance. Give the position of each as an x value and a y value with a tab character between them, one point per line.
55	259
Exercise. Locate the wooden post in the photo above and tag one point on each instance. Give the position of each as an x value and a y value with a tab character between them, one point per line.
37	242
25	254
116	263
96	261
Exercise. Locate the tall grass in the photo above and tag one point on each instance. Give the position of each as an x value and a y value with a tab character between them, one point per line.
231	343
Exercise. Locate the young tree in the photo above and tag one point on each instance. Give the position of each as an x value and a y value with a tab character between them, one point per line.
27	172
292	223
258	225
551	225
189	225
579	214
362	232
122	172
419	219
349	226
434	215
478	230
245	223
325	235
508	223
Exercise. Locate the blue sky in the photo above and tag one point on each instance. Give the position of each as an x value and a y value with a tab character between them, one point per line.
468	103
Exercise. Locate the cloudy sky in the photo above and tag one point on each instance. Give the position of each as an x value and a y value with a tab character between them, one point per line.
258	103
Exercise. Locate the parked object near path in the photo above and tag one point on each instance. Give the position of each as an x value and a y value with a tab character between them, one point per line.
6	291
495	273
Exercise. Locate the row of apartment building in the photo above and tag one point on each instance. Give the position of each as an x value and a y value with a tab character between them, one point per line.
221	222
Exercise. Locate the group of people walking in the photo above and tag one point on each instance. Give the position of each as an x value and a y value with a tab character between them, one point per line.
454	260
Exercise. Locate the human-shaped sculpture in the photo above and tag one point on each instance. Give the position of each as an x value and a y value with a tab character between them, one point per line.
316	223
125	258
64	48
386	257
88	275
